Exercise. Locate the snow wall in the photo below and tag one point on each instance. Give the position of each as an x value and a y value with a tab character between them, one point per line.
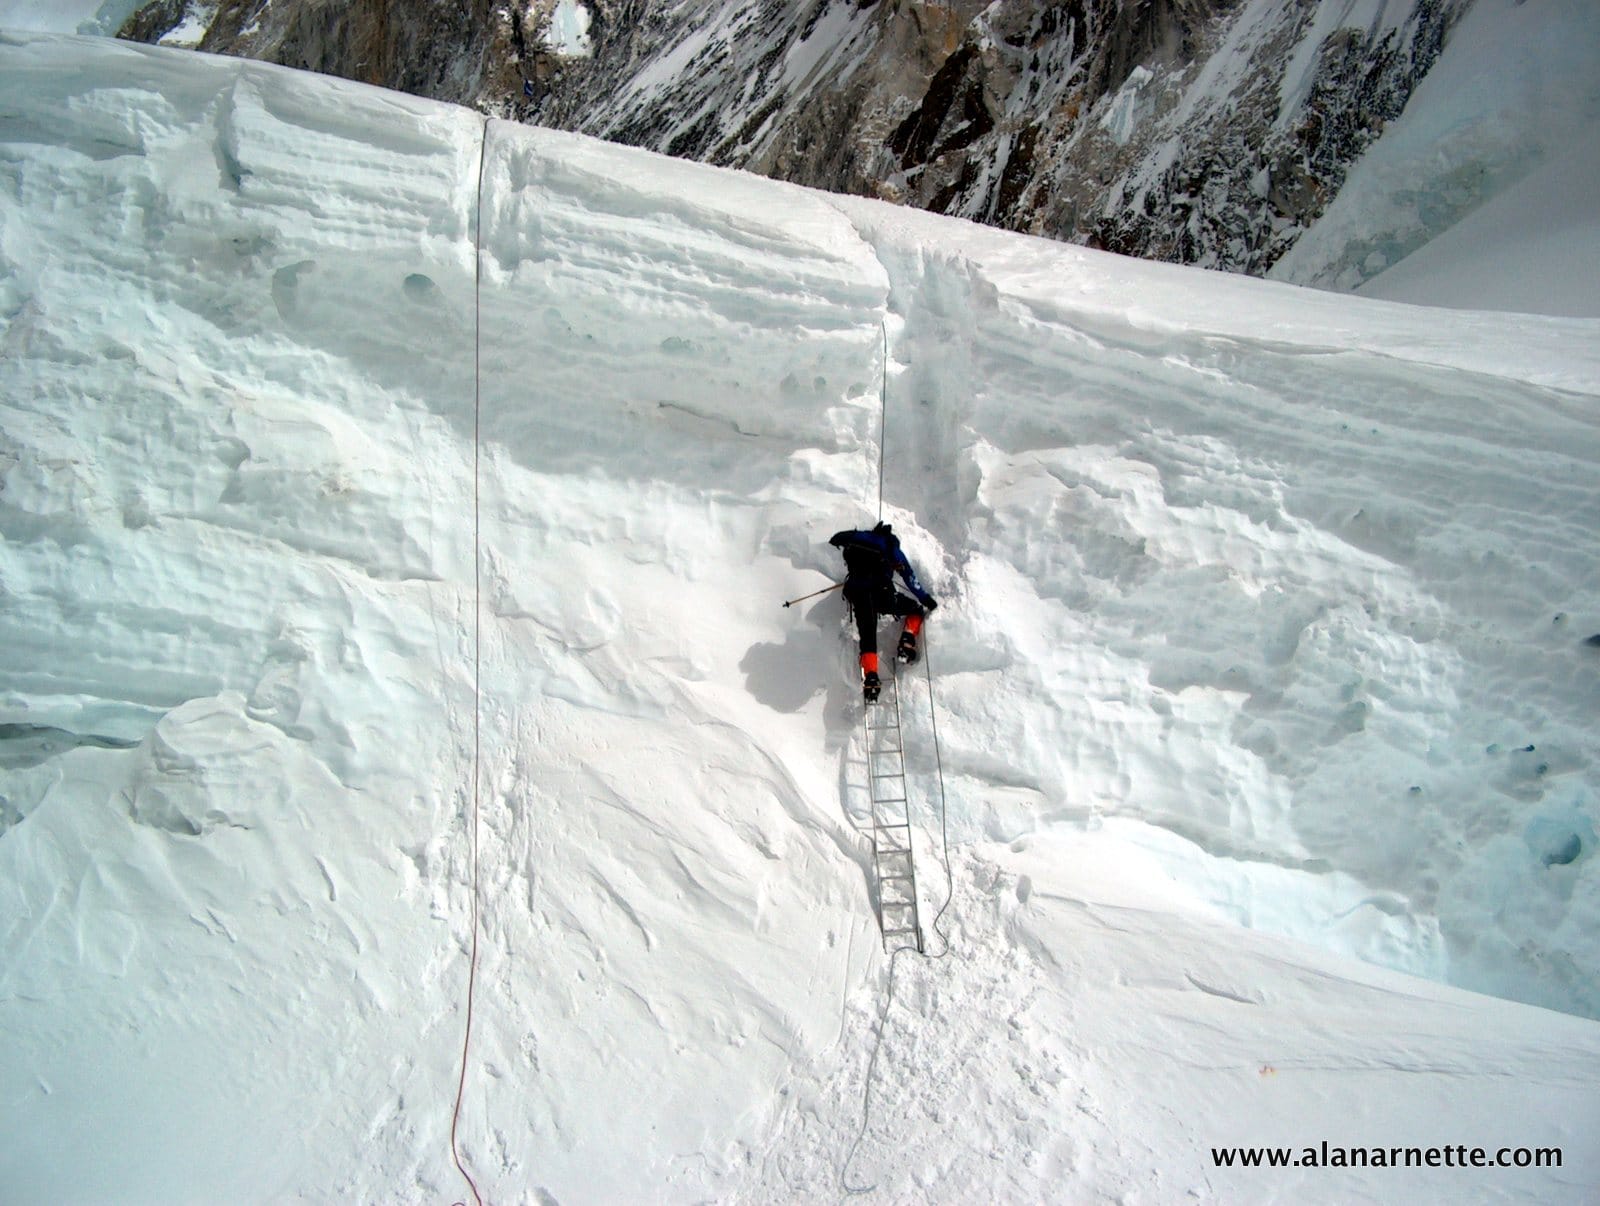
1276	599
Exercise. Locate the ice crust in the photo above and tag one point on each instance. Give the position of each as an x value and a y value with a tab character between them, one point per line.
1260	653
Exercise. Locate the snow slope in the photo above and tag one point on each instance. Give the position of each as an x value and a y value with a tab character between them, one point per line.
345	437
1481	195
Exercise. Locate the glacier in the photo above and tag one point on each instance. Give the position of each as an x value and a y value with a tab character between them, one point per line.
397	509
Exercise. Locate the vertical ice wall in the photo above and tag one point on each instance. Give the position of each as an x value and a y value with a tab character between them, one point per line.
241	504
1305	584
1228	571
676	397
230	518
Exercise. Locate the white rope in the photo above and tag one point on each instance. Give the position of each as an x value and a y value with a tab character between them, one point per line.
477	651
883	413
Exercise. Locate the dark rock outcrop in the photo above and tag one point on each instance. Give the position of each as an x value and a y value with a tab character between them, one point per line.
1208	132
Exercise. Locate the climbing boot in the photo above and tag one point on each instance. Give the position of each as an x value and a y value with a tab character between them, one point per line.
870	685
907	649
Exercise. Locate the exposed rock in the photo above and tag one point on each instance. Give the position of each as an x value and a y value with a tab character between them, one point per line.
423	47
154	21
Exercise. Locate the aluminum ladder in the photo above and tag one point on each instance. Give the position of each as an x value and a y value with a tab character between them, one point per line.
890	794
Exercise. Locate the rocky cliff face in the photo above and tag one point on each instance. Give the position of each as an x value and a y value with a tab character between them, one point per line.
1208	132
424	47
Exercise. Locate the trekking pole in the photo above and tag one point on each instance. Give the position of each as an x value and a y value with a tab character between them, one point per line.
814	594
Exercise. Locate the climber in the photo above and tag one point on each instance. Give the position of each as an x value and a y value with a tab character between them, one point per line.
871	560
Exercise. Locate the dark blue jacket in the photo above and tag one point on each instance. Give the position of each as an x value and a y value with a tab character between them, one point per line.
871	559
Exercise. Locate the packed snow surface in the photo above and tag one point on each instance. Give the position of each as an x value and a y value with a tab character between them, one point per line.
366	468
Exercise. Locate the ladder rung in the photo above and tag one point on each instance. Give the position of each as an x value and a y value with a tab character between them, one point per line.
894	859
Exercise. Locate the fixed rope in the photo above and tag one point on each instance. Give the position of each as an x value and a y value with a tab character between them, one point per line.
883	412
894	955
866	1088
477	651
927	664
944	837
944	827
